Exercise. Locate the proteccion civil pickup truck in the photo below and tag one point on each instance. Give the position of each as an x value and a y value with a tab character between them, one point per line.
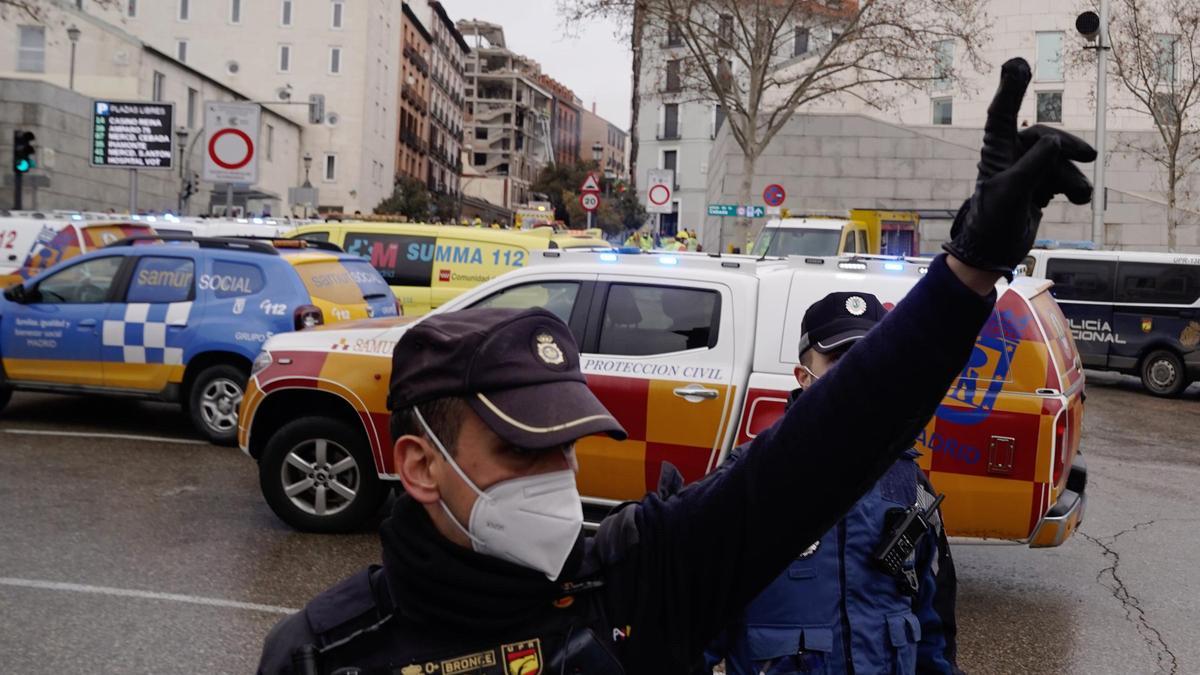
694	354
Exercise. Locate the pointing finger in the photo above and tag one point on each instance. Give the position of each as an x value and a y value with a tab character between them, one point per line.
1000	145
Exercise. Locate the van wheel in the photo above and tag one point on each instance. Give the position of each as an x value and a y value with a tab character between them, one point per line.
1163	374
213	402
318	475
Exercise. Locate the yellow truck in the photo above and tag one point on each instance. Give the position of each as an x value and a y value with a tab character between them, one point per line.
865	231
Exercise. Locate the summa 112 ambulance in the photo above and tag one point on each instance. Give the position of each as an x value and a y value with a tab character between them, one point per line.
693	354
179	321
427	265
1131	312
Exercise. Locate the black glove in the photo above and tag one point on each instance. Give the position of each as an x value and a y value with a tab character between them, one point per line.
1019	173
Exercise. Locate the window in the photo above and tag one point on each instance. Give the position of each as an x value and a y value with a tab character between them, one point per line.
390	255
285	13
943	63
670	160
31	49
1049	107
1049	57
270	142
670	127
184	10
479	159
131	9
235	11
159	84
336	19
285	58
231	279
673	75
193	97
87	282
314	236
726	29
642	320
1166	56
335	60
718	119
181	50
1166	112
330	167
943	111
161	280
674	36
1087	280
800	44
1158	284
481	133
557	297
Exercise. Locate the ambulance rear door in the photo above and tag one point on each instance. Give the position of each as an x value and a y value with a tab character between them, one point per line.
659	353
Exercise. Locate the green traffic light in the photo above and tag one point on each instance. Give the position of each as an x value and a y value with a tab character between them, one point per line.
24	165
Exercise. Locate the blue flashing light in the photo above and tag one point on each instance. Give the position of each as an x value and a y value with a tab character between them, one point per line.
894	266
608	257
258	221
151	219
629	249
668	260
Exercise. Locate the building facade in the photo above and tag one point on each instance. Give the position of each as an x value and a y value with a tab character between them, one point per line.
36	95
508	112
446	103
565	111
286	50
613	143
412	144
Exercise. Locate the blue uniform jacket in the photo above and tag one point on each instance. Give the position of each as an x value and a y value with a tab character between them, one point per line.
832	602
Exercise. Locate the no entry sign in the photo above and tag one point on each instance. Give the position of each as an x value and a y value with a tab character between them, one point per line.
231	153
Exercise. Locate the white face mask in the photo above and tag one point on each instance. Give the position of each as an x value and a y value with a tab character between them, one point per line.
532	521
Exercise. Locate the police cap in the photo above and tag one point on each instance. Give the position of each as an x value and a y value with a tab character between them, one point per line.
517	369
838	320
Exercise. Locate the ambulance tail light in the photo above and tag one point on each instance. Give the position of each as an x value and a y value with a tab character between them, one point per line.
1062	431
308	316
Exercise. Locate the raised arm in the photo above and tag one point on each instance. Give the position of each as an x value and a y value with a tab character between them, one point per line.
709	550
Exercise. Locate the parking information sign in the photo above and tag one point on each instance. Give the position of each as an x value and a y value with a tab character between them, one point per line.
132	134
231	150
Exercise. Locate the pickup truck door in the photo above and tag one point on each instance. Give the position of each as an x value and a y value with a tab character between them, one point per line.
660	357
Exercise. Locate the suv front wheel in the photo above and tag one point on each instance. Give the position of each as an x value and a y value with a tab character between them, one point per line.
318	475
213	402
1163	373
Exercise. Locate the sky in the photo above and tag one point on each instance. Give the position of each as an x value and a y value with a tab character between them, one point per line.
590	59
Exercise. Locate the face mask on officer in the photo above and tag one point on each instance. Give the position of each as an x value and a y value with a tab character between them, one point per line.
532	521
818	365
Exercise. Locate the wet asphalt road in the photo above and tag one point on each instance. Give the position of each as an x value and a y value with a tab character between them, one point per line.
141	556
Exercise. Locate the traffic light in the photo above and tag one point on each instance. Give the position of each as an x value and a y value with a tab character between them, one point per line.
23	151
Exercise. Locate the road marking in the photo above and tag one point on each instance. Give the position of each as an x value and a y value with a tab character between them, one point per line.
147	595
89	434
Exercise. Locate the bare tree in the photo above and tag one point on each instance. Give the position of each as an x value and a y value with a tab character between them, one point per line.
1155	57
762	60
35	10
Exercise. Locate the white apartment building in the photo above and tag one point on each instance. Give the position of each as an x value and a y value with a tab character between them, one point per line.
286	50
109	63
446	97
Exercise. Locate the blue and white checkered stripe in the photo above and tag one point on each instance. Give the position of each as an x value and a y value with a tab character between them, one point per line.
142	336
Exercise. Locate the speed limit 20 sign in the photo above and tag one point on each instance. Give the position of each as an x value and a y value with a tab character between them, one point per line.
590	201
231	149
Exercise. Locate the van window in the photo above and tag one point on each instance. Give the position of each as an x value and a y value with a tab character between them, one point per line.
1154	283
1088	280
797	241
1056	334
162	280
851	243
311	236
87	282
232	279
402	260
643	320
558	297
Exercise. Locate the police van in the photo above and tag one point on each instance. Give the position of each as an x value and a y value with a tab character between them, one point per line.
428	265
694	354
1129	312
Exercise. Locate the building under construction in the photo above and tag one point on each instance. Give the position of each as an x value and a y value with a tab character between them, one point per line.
508	111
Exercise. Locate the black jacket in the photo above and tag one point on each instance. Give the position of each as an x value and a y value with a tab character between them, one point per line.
662	577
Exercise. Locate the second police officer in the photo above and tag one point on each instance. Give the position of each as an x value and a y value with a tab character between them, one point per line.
837	609
485	565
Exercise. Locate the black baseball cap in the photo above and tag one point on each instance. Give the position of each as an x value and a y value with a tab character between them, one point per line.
518	369
838	320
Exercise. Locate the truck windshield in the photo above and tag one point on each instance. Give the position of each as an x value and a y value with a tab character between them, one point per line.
797	241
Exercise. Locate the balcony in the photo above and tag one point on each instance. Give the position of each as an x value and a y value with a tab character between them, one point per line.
667	132
409	93
417	60
412	140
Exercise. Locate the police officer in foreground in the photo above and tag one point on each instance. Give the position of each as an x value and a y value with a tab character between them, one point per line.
876	592
485	567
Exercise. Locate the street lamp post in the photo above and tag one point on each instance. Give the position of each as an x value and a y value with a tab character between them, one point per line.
307	183
597	151
181	136
73	35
